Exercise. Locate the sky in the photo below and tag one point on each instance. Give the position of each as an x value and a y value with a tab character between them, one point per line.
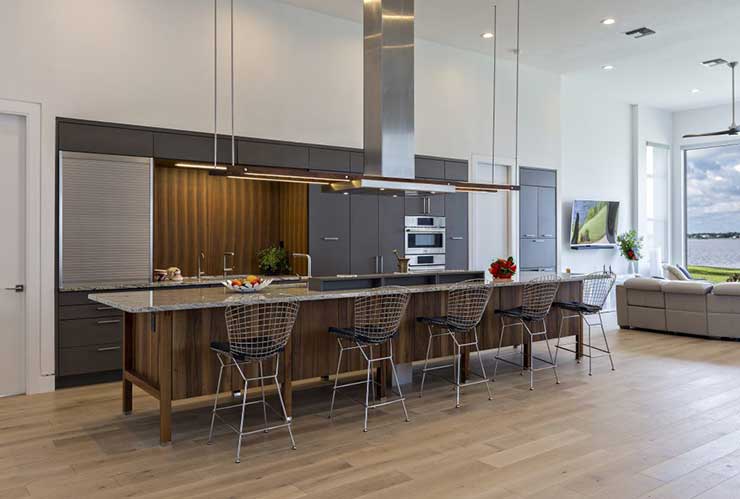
713	189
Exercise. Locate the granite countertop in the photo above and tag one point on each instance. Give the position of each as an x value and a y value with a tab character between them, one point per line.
164	300
134	284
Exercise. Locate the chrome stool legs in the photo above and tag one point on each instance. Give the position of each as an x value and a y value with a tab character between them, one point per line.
231	362
584	317
456	363
367	354
551	362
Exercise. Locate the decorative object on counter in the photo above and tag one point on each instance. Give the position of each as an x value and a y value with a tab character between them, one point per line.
273	260
503	268
630	245
567	270
170	274
250	284
403	263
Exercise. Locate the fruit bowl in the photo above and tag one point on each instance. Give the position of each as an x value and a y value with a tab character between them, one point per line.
251	284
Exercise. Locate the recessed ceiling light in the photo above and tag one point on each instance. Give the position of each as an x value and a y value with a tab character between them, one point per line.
608	21
695	91
487	35
607	67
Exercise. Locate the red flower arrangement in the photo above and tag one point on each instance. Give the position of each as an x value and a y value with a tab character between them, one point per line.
503	269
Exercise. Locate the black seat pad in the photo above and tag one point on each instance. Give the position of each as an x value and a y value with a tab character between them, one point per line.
579	307
441	322
351	334
224	348
515	313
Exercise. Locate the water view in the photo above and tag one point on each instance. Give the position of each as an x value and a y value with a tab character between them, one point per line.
714	259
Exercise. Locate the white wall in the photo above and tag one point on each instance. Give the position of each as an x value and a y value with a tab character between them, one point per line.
710	119
597	164
299	77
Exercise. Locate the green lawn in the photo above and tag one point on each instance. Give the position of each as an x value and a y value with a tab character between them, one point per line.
713	274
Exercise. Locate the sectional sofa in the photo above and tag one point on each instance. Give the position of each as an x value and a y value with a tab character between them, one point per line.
689	307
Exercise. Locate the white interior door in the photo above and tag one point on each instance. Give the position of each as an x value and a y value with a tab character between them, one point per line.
12	253
490	217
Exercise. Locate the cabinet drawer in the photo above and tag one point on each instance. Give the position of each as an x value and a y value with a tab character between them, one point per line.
537	254
88	311
89	359
87	332
75	298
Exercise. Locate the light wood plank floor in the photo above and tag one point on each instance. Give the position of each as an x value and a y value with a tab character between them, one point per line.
666	424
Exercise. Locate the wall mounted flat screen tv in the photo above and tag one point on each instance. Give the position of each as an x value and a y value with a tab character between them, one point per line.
594	224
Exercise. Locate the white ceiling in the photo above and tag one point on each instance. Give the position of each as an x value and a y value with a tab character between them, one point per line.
566	36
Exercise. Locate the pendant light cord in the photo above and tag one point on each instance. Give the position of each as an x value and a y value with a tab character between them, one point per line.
233	148
516	124
493	133
215	83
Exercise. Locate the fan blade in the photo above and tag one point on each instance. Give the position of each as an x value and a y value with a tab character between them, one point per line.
712	134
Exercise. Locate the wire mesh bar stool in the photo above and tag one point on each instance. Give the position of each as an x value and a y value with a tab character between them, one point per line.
466	303
256	333
376	321
537	299
596	289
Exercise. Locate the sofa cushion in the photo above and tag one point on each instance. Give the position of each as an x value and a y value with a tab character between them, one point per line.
643	284
686	287
724	304
723	325
647	318
727	289
673	273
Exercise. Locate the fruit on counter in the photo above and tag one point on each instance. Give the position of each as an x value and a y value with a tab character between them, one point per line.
254	280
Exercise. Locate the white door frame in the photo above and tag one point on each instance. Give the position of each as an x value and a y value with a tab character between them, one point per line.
39	302
513	243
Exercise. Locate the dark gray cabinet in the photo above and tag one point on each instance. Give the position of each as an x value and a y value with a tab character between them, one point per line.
456	210
364	234
357	162
538	219
428	204
104	139
256	153
334	160
328	232
429	168
456	170
376	230
190	147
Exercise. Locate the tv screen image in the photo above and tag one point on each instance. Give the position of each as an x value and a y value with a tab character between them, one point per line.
594	223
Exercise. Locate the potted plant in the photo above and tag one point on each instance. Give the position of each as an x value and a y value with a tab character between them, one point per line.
503	268
630	245
273	260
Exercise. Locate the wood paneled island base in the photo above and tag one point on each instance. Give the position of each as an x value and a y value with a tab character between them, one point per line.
167	336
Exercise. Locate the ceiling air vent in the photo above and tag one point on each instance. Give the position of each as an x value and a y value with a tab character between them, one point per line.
714	62
640	32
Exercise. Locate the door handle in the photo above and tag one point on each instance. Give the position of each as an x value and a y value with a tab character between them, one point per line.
108	349
18	288
330	238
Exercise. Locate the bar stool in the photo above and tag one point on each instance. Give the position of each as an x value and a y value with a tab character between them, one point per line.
466	303
256	333
596	289
537	298
376	321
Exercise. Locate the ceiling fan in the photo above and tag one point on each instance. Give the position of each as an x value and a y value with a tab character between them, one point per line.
733	129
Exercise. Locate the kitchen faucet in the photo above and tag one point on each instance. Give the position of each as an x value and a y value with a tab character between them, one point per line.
201	259
228	254
308	257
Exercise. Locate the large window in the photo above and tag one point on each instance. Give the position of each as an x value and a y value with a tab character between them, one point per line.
713	211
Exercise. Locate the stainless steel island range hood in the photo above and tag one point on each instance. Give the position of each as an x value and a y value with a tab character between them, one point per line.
389	101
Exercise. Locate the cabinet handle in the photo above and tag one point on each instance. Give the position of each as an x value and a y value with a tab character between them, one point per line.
530	235
112	321
330	238
457	238
382	264
108	349
546	235
100	309
537	241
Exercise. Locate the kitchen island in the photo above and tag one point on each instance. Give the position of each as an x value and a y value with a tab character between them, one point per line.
167	333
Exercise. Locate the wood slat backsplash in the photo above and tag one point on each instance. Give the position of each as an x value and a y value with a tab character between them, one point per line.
195	211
